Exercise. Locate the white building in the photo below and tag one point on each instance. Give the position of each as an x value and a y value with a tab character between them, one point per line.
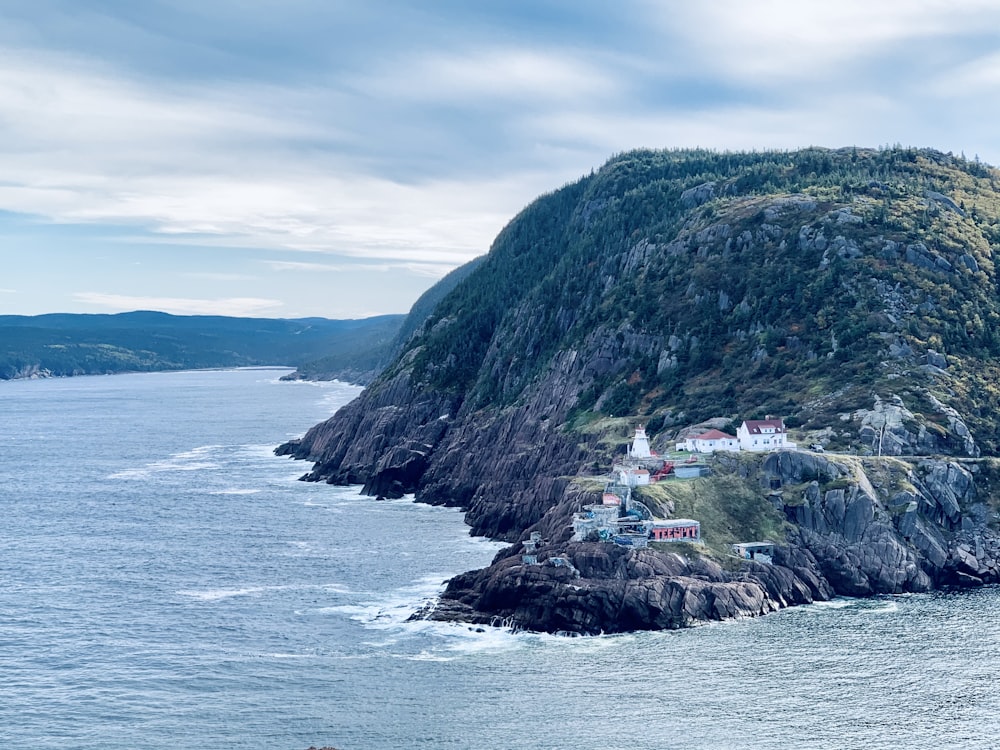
763	435
634	476
709	442
640	444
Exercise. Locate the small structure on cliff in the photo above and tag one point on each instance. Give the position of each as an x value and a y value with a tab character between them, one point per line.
764	435
639	447
530	556
624	520
753	435
676	530
709	442
760	551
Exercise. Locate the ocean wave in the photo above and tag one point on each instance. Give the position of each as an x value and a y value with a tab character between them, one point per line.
214	595
838	603
427	656
196	459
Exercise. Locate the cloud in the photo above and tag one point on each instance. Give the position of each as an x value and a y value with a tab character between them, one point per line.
235	306
497	75
385	137
772	41
429	270
978	78
202	165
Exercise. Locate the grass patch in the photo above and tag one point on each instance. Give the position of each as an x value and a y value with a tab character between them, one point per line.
728	508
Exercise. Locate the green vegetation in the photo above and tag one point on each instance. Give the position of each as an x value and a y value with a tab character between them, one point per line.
730	510
145	341
739	284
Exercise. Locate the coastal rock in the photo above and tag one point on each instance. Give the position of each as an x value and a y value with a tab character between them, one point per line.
609	589
865	542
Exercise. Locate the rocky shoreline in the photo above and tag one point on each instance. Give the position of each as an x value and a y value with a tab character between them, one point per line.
846	541
853	527
609	589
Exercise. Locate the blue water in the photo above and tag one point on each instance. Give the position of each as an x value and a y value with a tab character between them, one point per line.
166	583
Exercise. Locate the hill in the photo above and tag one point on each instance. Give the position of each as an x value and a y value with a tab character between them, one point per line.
361	363
65	344
851	291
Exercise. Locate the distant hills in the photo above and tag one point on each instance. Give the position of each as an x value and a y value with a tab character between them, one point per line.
68	344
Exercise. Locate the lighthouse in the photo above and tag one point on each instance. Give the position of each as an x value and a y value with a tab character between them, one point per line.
640	444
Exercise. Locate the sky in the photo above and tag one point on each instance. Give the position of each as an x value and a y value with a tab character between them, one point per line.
295	158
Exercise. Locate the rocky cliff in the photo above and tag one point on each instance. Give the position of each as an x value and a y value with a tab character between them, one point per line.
854	292
854	527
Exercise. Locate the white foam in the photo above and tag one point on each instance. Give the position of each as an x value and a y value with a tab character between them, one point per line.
191	460
234	491
838	603
335	588
426	656
214	595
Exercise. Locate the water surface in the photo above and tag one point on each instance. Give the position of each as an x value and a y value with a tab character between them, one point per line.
165	582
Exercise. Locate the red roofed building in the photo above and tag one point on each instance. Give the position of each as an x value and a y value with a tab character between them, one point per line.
763	435
709	442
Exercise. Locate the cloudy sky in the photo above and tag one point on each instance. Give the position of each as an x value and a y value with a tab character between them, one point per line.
287	158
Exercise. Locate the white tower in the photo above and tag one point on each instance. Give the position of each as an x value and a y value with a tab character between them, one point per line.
640	445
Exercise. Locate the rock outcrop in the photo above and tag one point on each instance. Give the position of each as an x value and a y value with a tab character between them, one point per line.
890	429
856	529
922	526
590	588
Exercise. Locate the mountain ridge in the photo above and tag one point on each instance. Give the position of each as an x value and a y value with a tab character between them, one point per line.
61	344
852	291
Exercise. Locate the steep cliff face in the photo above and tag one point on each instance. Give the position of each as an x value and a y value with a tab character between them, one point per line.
880	526
854	292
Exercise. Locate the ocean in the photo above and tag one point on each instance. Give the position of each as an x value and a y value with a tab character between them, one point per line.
165	582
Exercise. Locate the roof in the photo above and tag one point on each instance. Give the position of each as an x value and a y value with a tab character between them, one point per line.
675	522
754	426
753	545
713	435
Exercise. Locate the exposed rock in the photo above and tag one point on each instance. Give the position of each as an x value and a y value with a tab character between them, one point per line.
890	429
943	200
697	195
620	590
969	262
27	372
936	360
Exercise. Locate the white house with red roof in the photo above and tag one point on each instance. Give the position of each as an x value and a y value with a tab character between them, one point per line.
709	442
763	435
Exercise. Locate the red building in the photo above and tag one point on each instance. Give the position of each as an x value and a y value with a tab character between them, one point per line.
676	530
